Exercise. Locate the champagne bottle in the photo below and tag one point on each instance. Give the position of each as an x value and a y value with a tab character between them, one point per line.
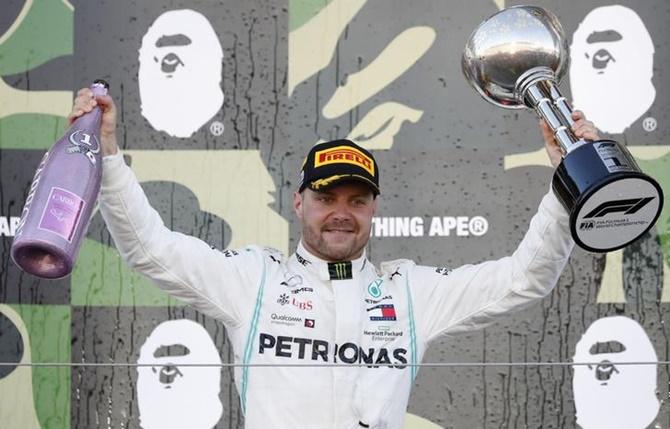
61	199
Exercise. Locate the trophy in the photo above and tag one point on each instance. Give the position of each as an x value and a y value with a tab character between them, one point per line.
515	59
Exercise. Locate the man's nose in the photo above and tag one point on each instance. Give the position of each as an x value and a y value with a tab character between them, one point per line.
341	211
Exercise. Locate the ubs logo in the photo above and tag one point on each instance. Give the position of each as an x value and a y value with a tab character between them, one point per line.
284	299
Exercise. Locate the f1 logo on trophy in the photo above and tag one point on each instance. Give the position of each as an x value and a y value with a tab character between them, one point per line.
515	59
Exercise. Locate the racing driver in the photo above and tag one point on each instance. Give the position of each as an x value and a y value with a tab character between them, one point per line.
359	330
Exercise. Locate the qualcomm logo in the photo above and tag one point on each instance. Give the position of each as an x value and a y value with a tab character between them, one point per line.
611	70
180	73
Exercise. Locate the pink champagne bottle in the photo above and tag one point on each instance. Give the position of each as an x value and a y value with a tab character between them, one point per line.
61	199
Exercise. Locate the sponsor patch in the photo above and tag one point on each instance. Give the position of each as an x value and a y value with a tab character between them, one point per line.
302	289
285	319
344	154
374	288
384	312
340	270
285	299
377	301
321	350
302	260
291	280
302	305
383	333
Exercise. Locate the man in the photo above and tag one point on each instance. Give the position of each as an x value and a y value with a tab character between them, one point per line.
326	304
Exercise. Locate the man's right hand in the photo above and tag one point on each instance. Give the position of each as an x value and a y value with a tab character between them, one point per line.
85	102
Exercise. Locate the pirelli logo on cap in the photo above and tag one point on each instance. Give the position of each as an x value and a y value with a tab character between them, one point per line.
345	154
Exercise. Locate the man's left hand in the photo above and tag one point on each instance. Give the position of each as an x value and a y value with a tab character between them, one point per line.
582	128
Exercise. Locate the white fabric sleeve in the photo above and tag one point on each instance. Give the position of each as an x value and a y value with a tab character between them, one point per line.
219	284
472	296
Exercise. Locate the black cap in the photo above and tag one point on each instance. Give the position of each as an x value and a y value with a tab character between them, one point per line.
338	161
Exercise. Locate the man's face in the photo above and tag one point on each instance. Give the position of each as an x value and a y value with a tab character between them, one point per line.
336	222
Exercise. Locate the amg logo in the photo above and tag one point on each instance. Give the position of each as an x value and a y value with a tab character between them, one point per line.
586	225
626	206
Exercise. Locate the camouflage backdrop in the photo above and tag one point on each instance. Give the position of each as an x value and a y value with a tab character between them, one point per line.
219	103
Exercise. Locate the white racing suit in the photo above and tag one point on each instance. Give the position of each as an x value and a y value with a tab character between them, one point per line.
302	310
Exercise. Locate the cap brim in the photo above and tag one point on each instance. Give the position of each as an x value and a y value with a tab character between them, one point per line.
338	179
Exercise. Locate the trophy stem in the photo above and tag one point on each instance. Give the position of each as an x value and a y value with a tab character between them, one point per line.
537	89
561	103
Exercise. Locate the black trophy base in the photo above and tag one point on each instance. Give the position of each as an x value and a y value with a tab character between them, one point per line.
610	200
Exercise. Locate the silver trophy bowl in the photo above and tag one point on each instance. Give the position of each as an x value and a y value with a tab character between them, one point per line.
503	49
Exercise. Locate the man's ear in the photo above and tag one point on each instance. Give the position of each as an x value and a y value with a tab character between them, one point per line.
297	204
375	205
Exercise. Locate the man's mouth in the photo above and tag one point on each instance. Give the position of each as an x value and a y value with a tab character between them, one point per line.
339	229
343	230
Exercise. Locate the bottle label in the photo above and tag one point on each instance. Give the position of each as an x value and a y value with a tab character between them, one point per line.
87	144
62	213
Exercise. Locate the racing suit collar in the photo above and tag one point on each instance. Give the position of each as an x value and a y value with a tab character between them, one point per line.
327	270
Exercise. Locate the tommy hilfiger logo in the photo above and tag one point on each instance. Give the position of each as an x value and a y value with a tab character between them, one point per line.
340	270
382	312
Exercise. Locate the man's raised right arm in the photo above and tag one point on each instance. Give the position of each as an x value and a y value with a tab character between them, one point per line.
184	266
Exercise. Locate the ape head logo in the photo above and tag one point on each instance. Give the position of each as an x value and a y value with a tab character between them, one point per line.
171	395
180	73
611	69
608	394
